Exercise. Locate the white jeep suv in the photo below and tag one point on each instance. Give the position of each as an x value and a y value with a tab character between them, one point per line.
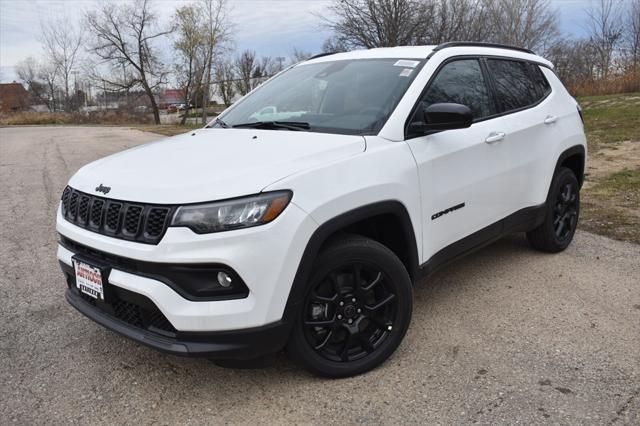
301	217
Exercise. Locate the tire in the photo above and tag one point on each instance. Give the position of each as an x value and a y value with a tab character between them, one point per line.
561	216
368	316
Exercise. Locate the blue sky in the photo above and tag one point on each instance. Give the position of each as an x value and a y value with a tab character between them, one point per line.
270	27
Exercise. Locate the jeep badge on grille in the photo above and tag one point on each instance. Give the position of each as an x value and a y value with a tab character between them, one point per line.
104	189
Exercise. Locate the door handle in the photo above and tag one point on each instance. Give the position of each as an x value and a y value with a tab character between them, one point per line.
495	137
550	119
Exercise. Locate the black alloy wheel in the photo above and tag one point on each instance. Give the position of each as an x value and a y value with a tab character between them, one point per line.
565	211
356	310
561	215
350	312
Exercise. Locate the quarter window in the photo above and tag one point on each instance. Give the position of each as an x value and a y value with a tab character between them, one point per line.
540	81
460	82
515	88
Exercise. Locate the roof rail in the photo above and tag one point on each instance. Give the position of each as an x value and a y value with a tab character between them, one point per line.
480	44
320	55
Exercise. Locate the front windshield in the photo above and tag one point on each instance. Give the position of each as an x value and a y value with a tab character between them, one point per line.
353	97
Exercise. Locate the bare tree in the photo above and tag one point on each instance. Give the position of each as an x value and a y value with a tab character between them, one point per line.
334	44
532	24
245	66
573	60
29	71
62	43
605	32
632	37
225	77
378	23
217	32
124	34
458	20
299	55
189	47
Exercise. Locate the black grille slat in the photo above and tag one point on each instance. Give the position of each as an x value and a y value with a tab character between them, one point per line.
96	213
65	200
73	204
112	217
115	218
132	220
156	220
83	209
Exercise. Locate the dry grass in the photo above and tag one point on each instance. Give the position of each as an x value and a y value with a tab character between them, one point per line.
629	82
611	193
53	118
169	129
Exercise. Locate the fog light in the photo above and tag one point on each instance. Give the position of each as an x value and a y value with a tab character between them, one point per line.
224	279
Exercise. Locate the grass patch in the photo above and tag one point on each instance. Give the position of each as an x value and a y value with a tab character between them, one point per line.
611	118
612	206
611	200
113	118
169	129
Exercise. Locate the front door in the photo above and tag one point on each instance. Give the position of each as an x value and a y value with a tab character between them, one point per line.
463	173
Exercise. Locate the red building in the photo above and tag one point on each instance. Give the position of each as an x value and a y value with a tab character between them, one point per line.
171	97
13	97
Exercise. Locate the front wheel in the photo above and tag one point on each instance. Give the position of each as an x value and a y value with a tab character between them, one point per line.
561	216
356	311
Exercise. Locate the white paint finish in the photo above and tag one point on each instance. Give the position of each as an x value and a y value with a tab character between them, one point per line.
213	164
455	167
329	175
386	171
266	257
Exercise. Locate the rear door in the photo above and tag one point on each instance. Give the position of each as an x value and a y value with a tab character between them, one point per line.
463	177
524	98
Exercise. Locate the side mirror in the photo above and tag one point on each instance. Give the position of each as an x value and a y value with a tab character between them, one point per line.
439	117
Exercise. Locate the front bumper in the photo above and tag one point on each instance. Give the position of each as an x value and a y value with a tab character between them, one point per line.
237	345
265	257
153	312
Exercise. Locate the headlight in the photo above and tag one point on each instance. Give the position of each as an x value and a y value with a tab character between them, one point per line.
232	214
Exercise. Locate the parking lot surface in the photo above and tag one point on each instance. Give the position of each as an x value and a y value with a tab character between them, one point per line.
506	335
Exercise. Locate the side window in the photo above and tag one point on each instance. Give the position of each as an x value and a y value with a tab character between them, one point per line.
514	87
460	82
543	88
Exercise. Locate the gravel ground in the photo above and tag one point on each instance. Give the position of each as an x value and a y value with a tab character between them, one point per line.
506	335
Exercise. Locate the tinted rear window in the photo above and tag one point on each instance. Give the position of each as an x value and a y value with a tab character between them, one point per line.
515	88
540	81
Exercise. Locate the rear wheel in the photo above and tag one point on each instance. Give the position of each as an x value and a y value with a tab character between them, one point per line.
561	218
356	312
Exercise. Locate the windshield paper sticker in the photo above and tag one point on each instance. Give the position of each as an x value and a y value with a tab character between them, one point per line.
406	63
406	72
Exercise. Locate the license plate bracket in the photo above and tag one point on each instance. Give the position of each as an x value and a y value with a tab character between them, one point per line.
92	277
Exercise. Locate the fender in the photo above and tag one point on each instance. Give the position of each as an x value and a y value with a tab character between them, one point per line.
569	152
327	229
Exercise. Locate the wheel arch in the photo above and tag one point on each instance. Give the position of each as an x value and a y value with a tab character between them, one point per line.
355	221
574	159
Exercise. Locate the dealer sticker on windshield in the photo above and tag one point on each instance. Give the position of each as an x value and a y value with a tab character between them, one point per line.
406	63
89	279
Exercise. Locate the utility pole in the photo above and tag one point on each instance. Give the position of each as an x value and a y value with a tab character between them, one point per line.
124	82
75	87
104	93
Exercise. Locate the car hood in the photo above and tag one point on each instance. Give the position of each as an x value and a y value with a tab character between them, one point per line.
211	164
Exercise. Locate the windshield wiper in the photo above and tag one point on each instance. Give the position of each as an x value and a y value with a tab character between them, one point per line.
289	125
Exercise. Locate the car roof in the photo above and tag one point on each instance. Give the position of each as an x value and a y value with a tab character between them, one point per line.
423	52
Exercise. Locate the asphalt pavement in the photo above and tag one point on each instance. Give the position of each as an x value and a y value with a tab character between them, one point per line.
506	335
